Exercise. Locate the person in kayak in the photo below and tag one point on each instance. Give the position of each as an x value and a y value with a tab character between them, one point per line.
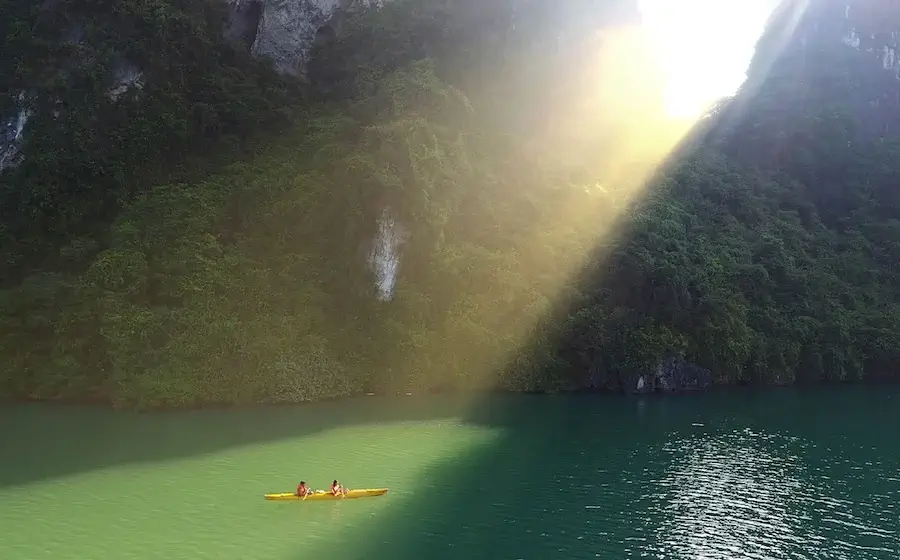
303	490
336	488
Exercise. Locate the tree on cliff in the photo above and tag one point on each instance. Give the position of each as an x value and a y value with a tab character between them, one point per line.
527	260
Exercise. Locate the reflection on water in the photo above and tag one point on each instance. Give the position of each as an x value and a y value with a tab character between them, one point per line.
735	495
722	477
751	495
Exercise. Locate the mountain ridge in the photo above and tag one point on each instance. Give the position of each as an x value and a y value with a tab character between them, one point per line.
435	208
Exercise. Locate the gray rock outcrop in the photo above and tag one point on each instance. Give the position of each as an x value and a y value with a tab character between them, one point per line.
674	375
286	30
11	132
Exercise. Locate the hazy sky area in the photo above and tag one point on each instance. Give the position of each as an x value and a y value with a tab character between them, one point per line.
704	46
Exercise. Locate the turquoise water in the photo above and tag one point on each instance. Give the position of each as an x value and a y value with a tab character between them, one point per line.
778	474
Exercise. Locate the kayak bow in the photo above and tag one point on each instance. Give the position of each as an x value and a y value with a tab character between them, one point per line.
323	495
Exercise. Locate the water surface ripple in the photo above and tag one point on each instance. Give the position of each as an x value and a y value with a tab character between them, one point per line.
717	477
754	495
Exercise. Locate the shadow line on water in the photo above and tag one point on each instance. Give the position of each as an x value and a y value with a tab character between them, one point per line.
573	477
537	491
43	441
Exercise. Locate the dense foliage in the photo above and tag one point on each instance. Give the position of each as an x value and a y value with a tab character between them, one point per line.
543	248
121	96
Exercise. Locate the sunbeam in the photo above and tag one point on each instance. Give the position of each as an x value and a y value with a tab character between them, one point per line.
631	102
704	48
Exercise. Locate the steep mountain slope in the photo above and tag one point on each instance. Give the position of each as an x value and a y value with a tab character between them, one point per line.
104	99
825	68
819	112
458	197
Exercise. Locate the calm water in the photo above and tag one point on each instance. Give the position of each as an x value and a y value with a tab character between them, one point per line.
780	474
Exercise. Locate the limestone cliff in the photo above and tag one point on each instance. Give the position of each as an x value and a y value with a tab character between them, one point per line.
281	30
11	131
286	30
819	61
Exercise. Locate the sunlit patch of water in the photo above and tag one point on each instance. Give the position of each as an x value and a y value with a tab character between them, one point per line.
748	495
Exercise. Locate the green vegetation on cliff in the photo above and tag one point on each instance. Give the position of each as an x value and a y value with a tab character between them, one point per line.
121	96
541	247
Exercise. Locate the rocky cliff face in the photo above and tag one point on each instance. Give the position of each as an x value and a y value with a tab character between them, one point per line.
286	30
819	60
816	53
11	130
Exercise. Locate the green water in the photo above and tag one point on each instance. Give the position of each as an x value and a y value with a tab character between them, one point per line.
778	474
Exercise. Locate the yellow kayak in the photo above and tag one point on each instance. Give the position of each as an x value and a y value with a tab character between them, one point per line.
323	495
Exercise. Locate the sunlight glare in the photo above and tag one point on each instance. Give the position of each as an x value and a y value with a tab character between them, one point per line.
704	48
637	92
